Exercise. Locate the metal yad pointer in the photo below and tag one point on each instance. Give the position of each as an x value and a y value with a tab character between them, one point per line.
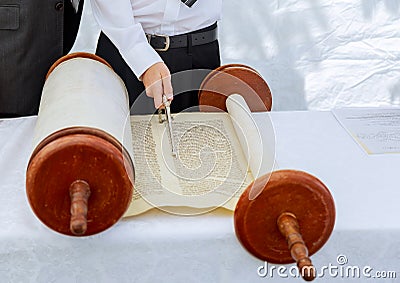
168	116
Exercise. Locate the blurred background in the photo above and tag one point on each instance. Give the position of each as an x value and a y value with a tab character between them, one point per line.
315	55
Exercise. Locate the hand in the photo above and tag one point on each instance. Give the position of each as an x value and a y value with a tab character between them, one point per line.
157	81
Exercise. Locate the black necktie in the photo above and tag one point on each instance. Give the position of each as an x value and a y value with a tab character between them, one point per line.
189	3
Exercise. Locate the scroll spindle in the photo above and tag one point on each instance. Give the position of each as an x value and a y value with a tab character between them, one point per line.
289	227
82	147
79	193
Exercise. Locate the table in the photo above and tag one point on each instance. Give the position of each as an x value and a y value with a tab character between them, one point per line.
159	247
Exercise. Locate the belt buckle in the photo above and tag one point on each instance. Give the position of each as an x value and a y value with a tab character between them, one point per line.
166	42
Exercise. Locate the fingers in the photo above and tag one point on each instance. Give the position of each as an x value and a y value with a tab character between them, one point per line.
157	81
167	87
155	90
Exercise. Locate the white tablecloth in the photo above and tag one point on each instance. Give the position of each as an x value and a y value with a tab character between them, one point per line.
158	247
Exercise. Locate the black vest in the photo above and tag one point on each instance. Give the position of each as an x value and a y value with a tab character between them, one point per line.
32	38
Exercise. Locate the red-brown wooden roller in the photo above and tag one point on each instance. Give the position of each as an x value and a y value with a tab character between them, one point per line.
234	79
282	217
79	179
285	217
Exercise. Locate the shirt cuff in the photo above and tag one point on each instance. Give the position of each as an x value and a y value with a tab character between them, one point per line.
140	57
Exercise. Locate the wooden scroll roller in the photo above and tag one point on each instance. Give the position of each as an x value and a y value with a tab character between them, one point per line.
231	79
285	217
79	179
282	217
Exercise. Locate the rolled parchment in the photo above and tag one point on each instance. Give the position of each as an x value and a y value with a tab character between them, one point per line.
258	150
80	175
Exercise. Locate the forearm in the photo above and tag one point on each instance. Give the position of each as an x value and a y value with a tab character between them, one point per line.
116	20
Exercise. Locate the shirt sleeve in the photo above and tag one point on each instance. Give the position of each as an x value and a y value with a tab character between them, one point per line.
116	20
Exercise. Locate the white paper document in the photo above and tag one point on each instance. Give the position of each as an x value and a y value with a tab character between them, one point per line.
376	130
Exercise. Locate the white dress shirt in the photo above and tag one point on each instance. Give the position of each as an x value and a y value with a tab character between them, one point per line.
125	22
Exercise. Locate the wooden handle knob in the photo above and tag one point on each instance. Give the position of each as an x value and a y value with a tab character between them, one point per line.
79	193
289	227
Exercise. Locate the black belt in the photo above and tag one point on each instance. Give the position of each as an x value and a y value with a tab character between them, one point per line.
165	42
